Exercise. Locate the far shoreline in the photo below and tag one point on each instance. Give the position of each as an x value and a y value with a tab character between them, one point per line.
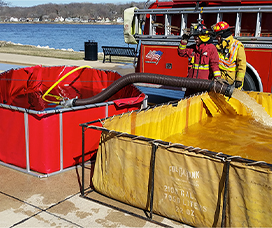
66	23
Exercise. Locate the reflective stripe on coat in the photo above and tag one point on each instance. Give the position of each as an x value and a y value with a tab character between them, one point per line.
233	63
203	60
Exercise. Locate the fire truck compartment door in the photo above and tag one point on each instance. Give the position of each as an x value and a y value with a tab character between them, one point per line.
163	60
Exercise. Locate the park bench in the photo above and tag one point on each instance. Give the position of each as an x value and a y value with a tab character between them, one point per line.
118	51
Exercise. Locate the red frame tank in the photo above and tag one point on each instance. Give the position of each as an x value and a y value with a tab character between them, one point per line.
49	140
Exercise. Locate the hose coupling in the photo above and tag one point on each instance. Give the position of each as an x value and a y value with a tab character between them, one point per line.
68	103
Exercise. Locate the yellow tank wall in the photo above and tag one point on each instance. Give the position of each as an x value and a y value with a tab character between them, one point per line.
188	184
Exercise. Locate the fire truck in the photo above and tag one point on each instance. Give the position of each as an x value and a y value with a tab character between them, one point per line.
157	31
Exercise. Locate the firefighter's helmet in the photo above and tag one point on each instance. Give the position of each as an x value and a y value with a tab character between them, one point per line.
198	29
220	27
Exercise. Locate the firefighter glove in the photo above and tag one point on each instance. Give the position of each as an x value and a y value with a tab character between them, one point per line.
221	81
238	84
185	36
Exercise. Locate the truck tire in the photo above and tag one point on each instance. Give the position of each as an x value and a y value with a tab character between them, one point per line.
249	84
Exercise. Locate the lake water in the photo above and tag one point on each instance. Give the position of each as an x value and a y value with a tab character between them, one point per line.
63	36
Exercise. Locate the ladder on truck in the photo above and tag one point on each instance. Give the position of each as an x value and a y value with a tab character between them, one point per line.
140	15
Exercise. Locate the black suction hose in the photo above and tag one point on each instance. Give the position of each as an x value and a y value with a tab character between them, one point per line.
197	84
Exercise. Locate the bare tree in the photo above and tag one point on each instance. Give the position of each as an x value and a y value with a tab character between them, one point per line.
2	3
79	10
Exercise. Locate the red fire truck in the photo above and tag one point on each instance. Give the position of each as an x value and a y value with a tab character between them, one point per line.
158	30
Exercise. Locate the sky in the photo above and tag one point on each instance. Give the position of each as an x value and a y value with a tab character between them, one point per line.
28	3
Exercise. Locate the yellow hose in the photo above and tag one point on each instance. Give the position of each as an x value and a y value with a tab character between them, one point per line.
56	83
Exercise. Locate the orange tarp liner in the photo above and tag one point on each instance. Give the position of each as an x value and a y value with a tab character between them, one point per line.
190	183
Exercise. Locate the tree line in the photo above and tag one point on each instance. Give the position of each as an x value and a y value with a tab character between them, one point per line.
72	10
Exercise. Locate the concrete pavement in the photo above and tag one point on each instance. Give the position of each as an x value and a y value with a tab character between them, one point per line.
55	201
26	60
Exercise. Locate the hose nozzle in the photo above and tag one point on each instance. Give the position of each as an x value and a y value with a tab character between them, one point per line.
222	88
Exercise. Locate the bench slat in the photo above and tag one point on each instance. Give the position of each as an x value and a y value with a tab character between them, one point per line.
118	51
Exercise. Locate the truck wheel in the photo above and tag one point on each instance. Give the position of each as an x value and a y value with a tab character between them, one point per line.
249	84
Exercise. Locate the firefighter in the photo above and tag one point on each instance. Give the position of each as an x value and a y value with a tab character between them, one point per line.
232	57
203	57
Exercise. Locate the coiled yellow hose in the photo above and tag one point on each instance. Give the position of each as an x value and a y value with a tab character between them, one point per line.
56	83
